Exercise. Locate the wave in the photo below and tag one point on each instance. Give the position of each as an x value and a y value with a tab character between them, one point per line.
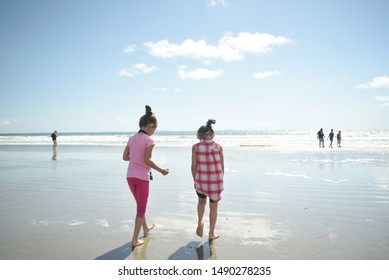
280	140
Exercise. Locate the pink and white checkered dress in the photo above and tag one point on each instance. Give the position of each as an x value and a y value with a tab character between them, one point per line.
209	174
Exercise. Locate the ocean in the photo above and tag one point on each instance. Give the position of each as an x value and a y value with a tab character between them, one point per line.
274	139
284	197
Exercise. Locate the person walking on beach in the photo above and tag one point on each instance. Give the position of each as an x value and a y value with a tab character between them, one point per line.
331	136
54	136
320	136
339	138
207	171
138	152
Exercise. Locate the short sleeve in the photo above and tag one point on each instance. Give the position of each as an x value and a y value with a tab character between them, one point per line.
150	142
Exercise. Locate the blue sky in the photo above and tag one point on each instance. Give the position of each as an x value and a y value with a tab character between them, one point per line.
92	65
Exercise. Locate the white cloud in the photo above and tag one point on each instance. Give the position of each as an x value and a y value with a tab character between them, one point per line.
125	73
378	82
198	74
144	68
167	90
188	48
256	43
130	49
5	122
120	120
229	47
384	99
266	74
137	69
214	3
160	89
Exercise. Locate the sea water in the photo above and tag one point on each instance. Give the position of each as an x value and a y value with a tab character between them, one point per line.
284	198
289	140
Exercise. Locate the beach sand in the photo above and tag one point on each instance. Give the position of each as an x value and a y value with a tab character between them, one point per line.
316	204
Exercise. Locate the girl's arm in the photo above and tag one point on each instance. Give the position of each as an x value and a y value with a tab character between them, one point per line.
126	154
222	158
150	163
194	163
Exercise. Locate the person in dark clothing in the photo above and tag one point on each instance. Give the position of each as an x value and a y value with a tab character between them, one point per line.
331	136
320	136
54	137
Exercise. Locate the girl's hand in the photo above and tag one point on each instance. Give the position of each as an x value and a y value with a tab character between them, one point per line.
164	171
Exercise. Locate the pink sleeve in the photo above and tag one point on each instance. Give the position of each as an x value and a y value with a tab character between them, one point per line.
150	142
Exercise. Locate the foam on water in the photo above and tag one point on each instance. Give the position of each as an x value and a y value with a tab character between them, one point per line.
285	141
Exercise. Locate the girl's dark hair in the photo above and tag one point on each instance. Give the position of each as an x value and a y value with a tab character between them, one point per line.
206	130
148	118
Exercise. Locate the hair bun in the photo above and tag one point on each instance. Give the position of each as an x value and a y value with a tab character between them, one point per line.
210	122
148	110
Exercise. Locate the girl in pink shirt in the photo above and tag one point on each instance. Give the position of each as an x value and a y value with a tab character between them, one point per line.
207	171
138	152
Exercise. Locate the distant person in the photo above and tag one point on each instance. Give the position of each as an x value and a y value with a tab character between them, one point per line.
138	152
207	171
320	136
339	138
54	136
331	136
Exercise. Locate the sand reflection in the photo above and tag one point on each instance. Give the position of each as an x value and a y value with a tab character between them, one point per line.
252	229
195	250
54	157
140	252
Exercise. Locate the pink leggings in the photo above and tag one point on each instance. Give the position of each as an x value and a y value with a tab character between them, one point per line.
140	190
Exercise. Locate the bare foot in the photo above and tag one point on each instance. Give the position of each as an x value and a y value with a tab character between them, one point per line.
137	243
199	230
147	229
213	236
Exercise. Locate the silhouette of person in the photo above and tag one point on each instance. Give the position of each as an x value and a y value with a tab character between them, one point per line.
320	136
331	136
339	138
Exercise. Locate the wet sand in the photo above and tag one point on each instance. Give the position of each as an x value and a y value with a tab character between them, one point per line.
316	204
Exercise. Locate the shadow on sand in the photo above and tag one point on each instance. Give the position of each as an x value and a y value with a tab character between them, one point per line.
195	251
124	251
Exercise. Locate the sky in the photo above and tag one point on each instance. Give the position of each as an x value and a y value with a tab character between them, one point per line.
92	65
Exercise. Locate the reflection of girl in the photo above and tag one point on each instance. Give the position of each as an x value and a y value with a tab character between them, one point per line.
207	172
138	152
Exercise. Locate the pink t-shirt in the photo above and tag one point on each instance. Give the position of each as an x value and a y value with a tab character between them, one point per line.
137	167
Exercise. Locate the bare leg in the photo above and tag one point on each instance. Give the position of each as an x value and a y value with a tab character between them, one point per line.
212	220
54	153
146	228
138	225
200	213
54	150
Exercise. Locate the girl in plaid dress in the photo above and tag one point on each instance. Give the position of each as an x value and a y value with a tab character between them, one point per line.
207	171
